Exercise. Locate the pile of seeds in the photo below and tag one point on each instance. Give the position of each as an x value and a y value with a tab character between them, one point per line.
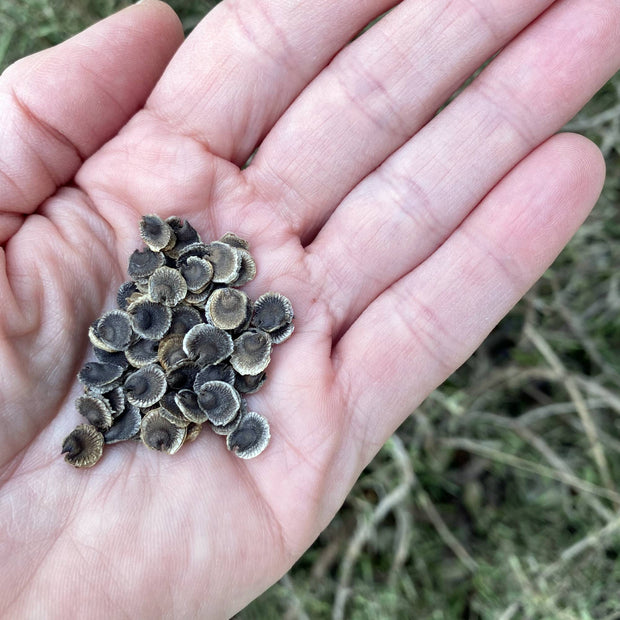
182	349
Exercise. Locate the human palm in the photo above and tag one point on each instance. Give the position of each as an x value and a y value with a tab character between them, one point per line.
399	239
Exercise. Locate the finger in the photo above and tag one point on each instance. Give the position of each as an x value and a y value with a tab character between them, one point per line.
428	323
399	215
375	95
246	61
60	105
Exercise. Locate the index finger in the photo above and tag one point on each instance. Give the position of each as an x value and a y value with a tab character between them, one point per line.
246	61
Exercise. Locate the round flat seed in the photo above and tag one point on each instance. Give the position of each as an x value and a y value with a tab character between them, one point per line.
281	334
150	320
116	400
219	400
170	351
227	308
184	317
167	286
182	375
142	352
187	402
235	241
125	427
158	433
155	232
247	269
98	374
96	410
125	291
83	447
184	233
250	437
171	411
272	311
218	372
197	273
249	384
207	344
111	357
142	263
225	260
252	352
145	386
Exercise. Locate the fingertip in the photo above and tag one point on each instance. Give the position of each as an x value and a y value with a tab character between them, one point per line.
162	16
64	103
588	158
582	168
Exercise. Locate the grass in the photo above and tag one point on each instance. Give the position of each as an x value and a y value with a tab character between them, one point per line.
499	498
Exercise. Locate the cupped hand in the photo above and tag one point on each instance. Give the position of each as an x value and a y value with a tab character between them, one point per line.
400	234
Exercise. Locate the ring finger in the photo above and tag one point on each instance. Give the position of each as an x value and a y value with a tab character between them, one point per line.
408	207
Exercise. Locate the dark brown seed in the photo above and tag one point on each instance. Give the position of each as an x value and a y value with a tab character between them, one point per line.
83	447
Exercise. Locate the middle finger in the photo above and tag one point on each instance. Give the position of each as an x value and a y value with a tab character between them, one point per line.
373	97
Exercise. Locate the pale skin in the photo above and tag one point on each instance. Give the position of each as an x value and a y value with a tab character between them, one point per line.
400	240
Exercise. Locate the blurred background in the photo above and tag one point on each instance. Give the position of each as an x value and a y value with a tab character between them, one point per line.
500	497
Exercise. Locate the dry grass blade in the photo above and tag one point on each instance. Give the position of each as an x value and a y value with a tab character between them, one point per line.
571	387
367	524
531	467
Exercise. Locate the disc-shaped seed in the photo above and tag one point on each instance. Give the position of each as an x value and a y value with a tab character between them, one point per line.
187	401
247	269
184	233
196	249
170	351
226	429
125	427
111	357
207	344
272	311
125	291
142	352
167	286
96	410
225	260
99	390
282	333
142	284
197	273
184	317
142	263
155	232
248	384
227	308
98	374
150	320
114	330
246	322
158	433
116	400
96	341
198	300
193	430
171	411
182	375
235	241
217	372
83	447
250	437
219	400
252	352
145	386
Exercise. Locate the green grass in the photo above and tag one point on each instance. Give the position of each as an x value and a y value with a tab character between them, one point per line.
498	498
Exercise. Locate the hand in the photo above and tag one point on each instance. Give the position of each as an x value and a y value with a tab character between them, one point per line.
401	238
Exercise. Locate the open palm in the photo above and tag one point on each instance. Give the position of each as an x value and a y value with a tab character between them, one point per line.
400	237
